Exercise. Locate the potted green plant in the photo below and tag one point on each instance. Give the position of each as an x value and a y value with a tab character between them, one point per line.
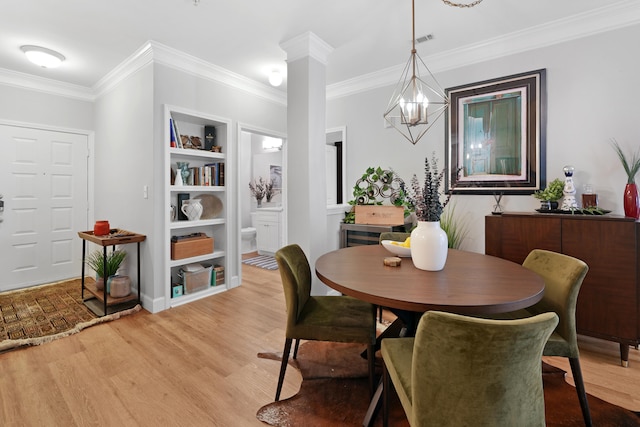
375	182
550	195
631	167
95	260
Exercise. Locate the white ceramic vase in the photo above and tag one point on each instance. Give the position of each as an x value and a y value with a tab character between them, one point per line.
192	208
429	246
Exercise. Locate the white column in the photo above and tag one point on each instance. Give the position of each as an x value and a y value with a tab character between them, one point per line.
306	128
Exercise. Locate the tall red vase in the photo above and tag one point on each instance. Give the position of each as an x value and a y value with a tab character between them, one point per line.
631	204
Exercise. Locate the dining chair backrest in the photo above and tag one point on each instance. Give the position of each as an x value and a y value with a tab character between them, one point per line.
563	276
470	371
295	273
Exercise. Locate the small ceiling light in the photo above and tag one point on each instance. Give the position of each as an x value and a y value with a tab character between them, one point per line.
42	56
275	78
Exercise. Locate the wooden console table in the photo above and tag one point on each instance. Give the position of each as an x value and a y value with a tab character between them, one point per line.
609	300
100	302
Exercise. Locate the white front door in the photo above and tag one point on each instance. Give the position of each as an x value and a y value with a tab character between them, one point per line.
43	183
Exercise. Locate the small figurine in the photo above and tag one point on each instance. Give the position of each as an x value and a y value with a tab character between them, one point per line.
569	200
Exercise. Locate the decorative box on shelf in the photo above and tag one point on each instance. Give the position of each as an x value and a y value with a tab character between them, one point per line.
196	277
191	245
379	215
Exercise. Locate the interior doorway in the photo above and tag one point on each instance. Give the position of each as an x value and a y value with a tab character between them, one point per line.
261	156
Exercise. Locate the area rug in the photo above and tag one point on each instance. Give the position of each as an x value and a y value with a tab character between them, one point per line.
41	314
334	392
262	261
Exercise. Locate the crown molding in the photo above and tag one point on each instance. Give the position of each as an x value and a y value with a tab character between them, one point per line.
181	61
150	53
44	85
607	18
307	44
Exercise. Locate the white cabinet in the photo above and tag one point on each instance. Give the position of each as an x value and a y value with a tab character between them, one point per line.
215	197
268	231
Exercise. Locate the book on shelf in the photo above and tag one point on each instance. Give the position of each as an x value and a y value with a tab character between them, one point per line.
172	136
175	133
211	174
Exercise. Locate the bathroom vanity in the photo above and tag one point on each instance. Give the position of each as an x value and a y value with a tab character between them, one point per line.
268	223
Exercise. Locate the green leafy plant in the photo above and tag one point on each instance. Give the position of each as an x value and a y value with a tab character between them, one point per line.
552	193
456	230
95	260
630	167
376	182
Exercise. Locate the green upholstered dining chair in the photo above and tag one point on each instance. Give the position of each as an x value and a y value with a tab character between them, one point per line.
468	371
320	318
563	276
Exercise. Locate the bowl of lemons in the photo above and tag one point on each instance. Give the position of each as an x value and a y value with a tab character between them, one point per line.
401	249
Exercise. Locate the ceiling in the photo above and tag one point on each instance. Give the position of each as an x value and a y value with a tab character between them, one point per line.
244	36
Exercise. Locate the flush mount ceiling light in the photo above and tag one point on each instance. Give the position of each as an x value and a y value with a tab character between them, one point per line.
275	78
42	56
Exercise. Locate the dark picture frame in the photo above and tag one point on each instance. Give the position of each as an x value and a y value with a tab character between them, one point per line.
496	135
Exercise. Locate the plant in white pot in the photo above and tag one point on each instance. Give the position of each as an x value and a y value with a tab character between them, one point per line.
429	242
95	261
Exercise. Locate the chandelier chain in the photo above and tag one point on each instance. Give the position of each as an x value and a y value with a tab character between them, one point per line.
449	3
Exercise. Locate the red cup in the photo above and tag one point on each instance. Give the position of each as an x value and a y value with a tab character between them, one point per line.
101	228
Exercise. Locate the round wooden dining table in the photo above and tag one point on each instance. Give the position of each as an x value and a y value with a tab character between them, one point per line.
470	283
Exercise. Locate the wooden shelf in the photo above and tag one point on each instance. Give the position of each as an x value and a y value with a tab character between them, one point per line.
99	294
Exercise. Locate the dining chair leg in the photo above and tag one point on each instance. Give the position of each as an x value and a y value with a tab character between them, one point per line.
283	366
386	385
582	394
371	360
295	349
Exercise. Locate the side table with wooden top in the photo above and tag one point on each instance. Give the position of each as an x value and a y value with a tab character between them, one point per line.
99	301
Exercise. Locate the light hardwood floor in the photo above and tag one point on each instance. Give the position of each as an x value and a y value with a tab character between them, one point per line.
197	365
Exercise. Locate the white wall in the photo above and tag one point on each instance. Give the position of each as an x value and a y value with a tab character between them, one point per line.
31	106
206	96
125	162
592	96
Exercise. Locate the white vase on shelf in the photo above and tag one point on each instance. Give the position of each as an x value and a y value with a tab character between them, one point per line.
429	246
178	179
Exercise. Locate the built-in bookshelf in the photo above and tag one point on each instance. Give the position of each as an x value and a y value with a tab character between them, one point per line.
197	142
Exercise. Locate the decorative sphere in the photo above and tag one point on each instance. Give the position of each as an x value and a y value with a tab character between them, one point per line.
568	170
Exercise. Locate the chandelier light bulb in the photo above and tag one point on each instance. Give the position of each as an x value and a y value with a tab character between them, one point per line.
42	56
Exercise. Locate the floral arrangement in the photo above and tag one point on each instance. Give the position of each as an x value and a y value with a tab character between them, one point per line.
269	191
426	199
258	189
630	167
